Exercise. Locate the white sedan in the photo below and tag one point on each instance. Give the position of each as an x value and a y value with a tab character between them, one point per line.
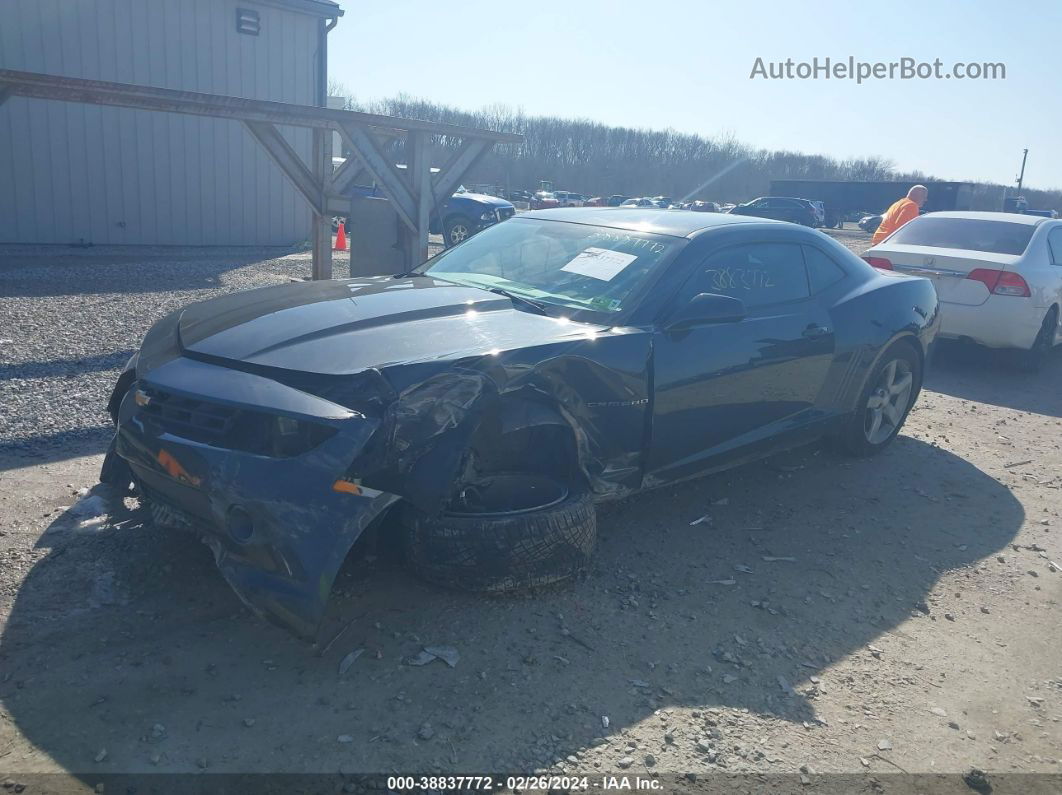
998	275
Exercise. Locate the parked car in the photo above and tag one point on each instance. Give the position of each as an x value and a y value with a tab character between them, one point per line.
465	214
642	203
520	196
663	201
616	199
704	207
820	213
780	208
478	407
998	275
595	201
566	198
870	223
544	200
460	217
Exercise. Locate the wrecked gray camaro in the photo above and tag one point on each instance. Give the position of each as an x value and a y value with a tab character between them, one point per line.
610	350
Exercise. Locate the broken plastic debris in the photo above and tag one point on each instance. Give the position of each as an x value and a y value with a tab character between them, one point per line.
705	518
346	662
421	658
88	507
743	568
722	582
448	654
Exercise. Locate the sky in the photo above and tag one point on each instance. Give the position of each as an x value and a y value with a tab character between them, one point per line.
686	65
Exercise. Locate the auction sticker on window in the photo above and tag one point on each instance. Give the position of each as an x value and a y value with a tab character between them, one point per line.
600	263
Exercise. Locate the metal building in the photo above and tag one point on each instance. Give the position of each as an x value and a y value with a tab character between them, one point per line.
109	175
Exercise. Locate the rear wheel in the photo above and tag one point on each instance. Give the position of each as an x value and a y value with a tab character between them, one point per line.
1033	359
886	399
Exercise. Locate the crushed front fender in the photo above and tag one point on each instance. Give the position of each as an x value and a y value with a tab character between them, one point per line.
279	527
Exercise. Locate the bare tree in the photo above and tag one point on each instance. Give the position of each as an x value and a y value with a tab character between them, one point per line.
586	156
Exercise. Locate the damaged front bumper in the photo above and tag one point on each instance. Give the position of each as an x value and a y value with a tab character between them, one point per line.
280	520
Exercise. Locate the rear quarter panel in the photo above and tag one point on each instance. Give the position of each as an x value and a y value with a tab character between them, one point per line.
868	318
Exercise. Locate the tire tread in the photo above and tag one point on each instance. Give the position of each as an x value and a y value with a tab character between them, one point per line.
502	554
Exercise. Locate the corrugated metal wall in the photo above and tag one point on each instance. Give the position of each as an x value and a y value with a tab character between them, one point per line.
71	172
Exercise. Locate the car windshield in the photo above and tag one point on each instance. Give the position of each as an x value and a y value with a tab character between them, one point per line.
969	234
576	266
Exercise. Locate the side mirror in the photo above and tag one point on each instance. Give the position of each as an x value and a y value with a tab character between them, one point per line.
705	308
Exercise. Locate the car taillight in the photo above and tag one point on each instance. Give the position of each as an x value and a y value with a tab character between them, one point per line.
879	262
1001	282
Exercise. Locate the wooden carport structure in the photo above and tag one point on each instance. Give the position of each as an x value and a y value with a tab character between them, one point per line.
414	190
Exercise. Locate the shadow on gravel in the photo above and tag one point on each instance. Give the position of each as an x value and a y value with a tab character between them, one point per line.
47	448
57	368
125	639
55	271
984	375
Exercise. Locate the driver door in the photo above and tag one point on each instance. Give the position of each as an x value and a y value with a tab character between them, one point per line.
724	391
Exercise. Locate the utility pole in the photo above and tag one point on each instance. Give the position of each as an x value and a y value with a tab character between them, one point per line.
1021	176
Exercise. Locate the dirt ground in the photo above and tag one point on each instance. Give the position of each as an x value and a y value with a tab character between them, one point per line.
829	616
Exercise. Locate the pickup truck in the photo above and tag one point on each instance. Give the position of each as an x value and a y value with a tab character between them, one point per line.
460	217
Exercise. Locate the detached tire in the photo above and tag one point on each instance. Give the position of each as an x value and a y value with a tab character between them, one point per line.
502	552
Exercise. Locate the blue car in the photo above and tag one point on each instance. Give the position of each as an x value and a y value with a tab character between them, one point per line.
476	409
464	214
460	217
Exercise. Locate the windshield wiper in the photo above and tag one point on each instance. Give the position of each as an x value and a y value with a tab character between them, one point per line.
534	306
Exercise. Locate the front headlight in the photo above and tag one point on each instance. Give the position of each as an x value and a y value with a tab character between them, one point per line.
290	437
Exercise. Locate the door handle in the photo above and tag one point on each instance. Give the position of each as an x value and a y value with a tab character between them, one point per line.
814	330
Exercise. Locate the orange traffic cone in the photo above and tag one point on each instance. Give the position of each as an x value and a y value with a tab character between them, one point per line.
341	238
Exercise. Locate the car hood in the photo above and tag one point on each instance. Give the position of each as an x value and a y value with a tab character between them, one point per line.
483	198
342	327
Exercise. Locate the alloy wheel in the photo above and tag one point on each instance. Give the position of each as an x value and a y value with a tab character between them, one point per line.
458	233
888	401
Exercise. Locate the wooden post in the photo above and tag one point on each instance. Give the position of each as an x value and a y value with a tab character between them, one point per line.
420	179
321	226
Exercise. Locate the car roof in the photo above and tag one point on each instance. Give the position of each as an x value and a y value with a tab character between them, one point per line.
678	223
1013	218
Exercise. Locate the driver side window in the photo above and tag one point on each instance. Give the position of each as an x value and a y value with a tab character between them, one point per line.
760	274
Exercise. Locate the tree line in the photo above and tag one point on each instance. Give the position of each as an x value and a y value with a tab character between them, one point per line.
597	159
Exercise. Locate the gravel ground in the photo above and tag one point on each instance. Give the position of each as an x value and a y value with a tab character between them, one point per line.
71	318
914	630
